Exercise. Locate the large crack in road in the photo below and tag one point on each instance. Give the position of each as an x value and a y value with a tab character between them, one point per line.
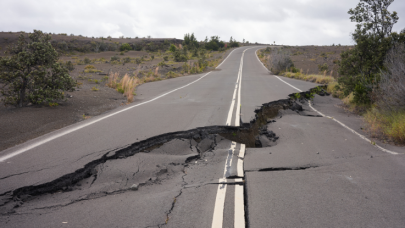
152	161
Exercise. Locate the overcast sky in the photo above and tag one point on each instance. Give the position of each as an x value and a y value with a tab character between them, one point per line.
293	22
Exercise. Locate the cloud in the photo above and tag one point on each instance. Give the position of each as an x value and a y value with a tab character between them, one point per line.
294	22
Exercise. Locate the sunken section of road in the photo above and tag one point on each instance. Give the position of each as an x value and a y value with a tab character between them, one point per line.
146	177
322	175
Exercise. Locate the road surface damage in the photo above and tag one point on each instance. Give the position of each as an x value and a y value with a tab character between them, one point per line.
154	161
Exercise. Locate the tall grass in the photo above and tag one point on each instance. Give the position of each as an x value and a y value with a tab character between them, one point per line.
320	79
125	86
389	124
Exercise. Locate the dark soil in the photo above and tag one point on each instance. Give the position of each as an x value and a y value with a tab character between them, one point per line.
92	98
308	58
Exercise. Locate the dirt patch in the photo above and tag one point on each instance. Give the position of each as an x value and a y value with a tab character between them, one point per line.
92	98
22	124
308	58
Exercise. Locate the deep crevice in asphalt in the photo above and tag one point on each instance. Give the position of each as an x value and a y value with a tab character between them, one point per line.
271	169
253	134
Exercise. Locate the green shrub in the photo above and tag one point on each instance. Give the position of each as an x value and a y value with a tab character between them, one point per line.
162	64
127	59
86	60
323	67
179	57
125	47
214	44
69	65
115	58
172	48
294	70
233	43
166	58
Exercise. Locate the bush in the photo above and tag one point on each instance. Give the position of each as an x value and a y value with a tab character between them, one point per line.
294	70
214	44
172	48
162	64
280	61
179	57
190	41
127	59
86	60
115	58
69	65
32	72
233	43
166	58
125	47
323	67
390	93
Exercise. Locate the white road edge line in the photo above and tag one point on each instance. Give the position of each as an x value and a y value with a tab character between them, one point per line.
22	150
60	134
239	216
342	124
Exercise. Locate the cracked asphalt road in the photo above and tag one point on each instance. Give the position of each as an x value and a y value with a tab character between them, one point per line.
122	170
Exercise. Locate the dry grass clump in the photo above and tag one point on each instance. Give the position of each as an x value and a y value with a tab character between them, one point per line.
172	74
156	72
112	80
128	85
125	86
320	79
388	124
91	69
333	89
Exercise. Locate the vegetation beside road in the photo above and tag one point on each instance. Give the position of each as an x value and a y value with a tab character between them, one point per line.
32	72
371	75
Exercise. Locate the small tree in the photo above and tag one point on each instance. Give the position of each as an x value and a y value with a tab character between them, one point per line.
361	65
32	73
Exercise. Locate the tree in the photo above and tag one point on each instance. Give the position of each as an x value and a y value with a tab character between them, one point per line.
31	73
214	44
233	43
190	41
361	65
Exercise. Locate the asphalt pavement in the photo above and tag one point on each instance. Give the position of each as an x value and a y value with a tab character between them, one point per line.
121	169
